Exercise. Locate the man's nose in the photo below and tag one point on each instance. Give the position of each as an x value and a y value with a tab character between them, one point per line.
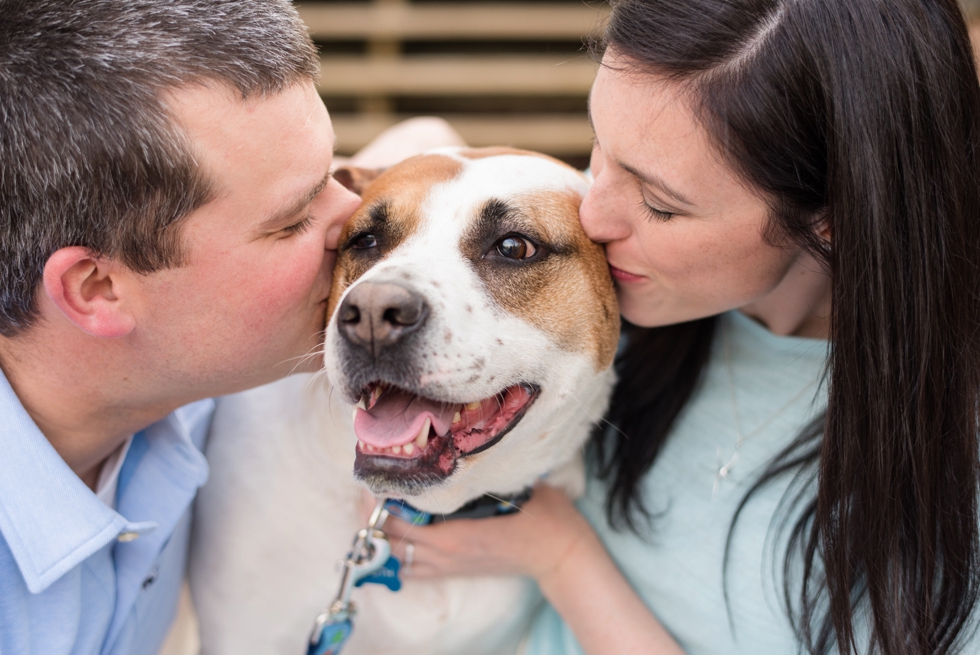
377	315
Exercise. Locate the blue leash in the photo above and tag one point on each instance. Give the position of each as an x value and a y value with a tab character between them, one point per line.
370	562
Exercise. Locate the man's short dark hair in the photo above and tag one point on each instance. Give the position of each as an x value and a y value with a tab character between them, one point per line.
89	155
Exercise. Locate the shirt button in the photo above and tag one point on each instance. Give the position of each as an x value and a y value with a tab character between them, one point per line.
128	536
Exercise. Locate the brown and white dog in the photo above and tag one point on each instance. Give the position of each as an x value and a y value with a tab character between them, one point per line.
474	324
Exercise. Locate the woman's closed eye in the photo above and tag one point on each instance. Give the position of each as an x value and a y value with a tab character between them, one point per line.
655	213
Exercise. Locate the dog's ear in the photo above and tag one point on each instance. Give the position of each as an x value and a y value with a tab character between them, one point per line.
356	179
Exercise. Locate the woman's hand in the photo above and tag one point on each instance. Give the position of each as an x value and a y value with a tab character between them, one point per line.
551	542
534	541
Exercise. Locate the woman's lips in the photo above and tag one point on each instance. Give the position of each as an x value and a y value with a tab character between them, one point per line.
623	276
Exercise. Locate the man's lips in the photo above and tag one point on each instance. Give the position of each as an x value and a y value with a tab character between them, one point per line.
624	276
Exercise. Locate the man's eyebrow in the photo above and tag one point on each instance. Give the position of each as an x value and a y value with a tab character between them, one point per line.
276	221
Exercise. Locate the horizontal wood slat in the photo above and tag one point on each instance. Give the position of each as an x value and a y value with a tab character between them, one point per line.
490	21
533	75
558	134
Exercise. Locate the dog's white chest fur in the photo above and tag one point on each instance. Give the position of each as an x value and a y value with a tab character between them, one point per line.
466	293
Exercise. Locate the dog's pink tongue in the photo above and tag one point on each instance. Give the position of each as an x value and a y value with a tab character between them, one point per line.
398	416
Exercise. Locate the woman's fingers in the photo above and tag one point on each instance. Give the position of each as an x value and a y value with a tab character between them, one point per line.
429	546
530	542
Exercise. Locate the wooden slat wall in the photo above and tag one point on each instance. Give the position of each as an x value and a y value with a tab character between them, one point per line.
401	20
564	135
380	64
443	54
457	75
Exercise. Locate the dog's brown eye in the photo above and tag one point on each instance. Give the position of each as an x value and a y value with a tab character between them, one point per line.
515	248
364	242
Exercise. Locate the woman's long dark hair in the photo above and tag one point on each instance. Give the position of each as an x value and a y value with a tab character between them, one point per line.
865	115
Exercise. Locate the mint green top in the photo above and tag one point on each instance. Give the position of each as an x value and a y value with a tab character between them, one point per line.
778	388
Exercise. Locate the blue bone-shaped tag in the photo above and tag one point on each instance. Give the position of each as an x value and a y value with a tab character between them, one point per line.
333	636
386	575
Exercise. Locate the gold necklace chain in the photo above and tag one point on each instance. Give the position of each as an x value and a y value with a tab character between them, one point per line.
740	438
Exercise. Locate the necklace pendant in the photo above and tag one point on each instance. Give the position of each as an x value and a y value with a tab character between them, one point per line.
727	467
723	470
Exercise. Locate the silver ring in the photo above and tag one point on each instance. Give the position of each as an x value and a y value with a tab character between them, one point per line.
409	554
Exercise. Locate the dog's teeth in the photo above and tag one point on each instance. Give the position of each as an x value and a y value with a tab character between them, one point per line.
361	403
409	448
472	406
457	418
375	393
422	440
397	450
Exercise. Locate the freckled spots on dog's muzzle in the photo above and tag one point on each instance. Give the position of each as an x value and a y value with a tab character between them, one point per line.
377	315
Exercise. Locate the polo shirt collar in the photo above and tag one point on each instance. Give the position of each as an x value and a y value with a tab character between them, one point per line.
49	518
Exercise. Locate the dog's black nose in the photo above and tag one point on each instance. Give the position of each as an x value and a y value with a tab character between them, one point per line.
376	315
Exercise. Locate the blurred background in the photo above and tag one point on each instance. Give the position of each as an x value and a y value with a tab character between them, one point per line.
504	72
507	72
972	10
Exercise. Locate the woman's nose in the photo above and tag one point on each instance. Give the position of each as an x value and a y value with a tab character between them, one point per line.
601	212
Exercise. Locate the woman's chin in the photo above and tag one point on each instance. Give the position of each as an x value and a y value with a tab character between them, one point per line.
650	309
643	309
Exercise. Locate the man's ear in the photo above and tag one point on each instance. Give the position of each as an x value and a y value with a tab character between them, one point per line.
356	179
86	290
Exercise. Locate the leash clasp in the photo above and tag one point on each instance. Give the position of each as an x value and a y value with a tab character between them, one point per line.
369	552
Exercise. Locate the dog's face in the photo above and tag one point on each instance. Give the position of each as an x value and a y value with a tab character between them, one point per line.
469	314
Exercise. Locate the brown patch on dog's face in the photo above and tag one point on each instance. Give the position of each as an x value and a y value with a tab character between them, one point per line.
390	211
562	286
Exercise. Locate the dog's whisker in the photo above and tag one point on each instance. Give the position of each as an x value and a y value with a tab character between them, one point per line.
317	350
601	420
507	502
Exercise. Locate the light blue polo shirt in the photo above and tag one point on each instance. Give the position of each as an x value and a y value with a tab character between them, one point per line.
68	583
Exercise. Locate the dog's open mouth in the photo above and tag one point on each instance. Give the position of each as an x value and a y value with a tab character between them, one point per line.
407	442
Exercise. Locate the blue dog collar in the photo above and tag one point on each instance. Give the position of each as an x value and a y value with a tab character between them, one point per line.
481	508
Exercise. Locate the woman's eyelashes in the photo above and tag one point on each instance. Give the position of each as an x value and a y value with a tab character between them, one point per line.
656	214
653	205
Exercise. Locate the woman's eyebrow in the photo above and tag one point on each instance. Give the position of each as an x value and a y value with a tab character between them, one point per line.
654	181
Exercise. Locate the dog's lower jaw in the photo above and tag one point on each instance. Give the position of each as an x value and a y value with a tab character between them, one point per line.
562	466
388	476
